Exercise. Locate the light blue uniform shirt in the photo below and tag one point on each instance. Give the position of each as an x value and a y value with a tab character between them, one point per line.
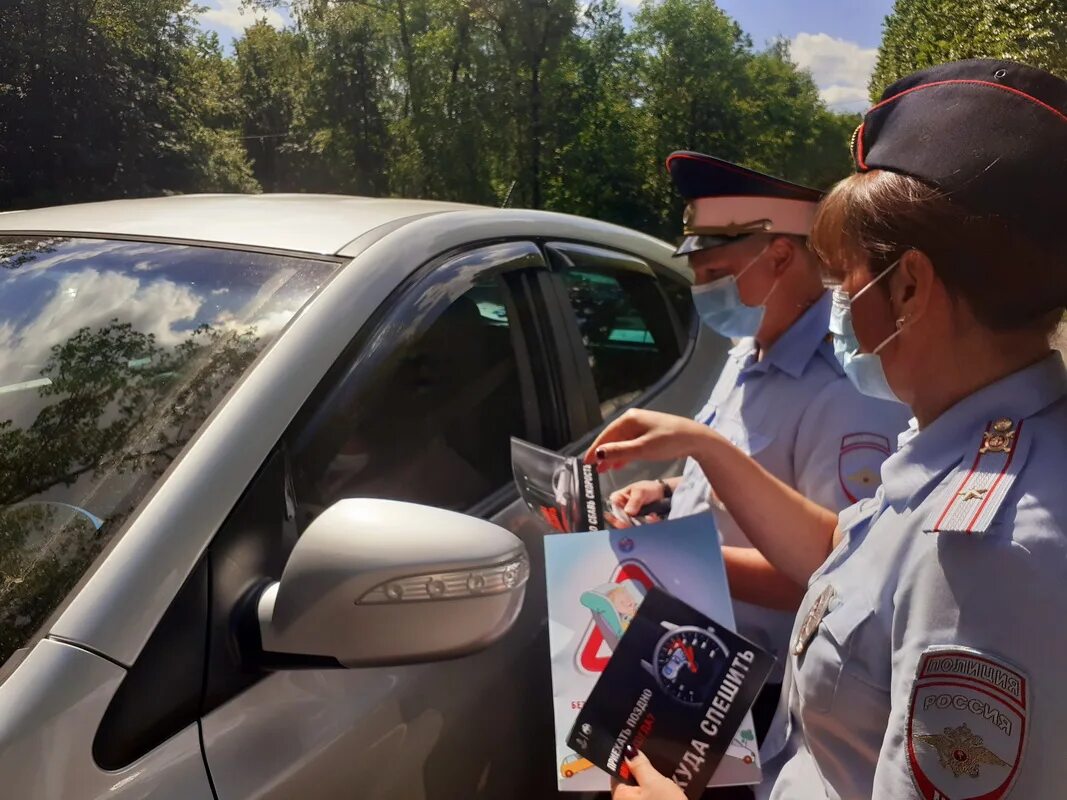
938	665
795	413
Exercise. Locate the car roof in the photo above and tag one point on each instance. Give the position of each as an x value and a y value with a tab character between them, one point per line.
309	223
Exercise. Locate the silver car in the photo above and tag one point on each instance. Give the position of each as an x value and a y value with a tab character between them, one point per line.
258	531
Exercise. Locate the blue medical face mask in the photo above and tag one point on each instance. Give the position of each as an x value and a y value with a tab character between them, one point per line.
863	369
720	308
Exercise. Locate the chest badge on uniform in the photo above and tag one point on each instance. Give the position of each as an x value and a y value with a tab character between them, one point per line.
811	621
966	724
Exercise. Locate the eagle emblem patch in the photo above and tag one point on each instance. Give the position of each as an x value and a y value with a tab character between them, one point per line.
966	725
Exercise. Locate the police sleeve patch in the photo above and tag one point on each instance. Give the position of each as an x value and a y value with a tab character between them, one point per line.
966	724
859	464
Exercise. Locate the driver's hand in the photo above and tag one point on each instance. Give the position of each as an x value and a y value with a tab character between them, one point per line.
650	784
637	495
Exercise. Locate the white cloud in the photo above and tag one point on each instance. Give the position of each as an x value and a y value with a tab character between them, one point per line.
90	299
845	98
841	68
232	15
67	256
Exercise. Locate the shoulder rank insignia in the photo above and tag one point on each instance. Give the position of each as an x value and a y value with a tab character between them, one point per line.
984	479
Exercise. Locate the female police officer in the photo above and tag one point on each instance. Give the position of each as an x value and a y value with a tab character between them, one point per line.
928	658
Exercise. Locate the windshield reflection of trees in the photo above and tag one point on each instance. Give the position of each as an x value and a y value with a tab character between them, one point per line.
17	252
118	409
599	306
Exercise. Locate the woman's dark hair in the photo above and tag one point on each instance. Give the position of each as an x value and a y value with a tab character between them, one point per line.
1009	279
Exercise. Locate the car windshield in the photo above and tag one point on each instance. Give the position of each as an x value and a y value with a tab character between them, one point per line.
112	355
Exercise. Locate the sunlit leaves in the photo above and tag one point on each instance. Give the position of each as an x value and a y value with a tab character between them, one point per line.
922	33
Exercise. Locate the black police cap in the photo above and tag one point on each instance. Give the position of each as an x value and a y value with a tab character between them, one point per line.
991	134
728	201
698	175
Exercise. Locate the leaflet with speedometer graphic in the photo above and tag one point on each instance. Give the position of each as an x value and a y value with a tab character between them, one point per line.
677	688
596	583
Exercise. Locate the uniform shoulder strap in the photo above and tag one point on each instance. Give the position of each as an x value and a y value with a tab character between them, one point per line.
984	478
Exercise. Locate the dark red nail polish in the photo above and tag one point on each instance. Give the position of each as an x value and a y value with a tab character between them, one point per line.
630	751
600	454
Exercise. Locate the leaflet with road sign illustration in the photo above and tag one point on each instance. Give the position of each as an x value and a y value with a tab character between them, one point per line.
596	584
567	494
677	688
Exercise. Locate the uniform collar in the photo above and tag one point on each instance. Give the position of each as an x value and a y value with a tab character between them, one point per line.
796	347
927	455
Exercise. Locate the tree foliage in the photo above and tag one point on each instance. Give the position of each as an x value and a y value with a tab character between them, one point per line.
112	98
923	33
704	88
537	103
271	69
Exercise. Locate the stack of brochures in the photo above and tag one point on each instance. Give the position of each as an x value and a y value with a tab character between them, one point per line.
642	640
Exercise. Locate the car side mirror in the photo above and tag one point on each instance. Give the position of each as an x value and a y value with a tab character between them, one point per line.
378	582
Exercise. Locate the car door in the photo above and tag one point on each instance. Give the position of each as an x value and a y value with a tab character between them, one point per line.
421	409
634	339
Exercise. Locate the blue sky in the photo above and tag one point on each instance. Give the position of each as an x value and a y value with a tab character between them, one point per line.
836	39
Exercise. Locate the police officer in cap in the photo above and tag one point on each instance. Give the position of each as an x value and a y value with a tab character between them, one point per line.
782	397
929	654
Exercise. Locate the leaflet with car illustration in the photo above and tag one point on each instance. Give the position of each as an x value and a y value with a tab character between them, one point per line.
677	688
597	582
567	494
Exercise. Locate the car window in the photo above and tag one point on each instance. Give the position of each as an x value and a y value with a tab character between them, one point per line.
628	319
427	414
112	355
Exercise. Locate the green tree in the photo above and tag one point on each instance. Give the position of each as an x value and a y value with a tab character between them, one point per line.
109	98
273	73
350	95
704	88
530	37
468	101
789	132
596	166
209	113
478	100
692	73
445	132
922	33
